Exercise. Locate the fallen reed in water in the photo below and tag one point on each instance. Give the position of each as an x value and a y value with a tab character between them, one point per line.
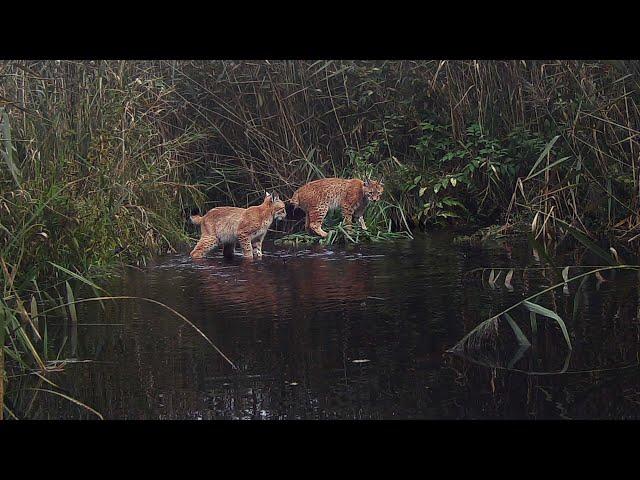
487	331
30	346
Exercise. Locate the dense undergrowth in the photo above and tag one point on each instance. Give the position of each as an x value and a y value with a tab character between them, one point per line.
101	159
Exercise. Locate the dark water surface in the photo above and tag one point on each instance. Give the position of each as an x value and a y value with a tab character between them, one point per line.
347	333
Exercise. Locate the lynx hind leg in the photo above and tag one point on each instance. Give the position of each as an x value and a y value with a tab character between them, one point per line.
257	246
358	214
204	245
316	217
228	250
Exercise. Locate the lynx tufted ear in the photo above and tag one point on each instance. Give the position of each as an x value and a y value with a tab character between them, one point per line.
276	197
367	182
381	181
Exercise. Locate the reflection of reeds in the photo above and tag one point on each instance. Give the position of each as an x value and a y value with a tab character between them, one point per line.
36	360
488	329
150	300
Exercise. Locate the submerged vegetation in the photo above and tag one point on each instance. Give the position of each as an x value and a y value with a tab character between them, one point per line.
338	234
100	160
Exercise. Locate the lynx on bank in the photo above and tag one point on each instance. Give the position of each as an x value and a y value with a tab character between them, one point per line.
350	195
223	226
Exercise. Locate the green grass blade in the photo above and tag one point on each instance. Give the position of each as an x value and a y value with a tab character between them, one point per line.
544	153
577	297
79	277
583	239
72	304
5	131
3	324
72	400
534	323
557	162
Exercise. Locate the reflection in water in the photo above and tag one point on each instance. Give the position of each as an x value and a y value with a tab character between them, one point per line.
361	332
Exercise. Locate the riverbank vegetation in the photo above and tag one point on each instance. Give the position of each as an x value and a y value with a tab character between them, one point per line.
101	160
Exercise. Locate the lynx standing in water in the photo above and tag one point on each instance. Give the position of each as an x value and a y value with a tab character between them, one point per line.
248	226
351	195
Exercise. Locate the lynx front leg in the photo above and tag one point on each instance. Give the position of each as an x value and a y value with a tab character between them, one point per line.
358	213
257	246
316	216
206	243
347	214
228	250
247	250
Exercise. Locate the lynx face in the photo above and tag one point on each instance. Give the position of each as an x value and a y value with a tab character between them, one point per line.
279	211
372	190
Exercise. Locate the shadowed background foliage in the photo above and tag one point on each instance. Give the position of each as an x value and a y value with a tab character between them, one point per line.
104	156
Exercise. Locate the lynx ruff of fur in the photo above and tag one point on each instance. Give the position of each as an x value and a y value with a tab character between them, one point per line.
350	195
224	226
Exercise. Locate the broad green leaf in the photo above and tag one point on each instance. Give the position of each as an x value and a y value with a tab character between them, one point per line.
5	131
546	168
507	280
79	277
565	273
577	297
72	305
583	239
544	153
34	318
545	312
522	339
534	323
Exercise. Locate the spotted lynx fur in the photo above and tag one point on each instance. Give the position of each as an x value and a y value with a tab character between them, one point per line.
224	226
350	195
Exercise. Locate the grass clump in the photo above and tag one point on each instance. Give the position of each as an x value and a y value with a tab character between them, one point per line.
340	235
94	167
